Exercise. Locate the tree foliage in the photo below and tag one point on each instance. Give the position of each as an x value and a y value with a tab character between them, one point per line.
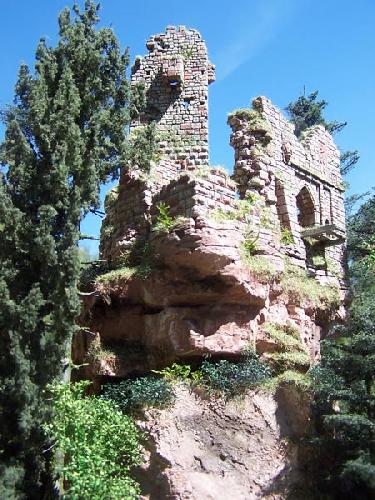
306	112
99	441
64	136
345	379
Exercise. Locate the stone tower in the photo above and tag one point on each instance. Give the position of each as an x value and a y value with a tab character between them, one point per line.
176	74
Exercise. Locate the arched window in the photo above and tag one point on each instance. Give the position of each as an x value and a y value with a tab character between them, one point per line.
305	208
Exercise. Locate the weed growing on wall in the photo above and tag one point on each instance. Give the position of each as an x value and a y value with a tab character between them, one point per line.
262	268
286	237
299	288
165	222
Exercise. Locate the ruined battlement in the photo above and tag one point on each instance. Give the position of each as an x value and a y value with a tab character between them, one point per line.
296	181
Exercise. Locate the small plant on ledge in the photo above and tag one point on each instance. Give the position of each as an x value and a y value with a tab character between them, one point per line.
229	378
287	238
134	395
165	222
299	288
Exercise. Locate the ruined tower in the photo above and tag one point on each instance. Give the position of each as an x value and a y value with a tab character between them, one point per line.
298	212
175	75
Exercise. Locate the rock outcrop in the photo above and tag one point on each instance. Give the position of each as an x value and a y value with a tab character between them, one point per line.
211	449
202	296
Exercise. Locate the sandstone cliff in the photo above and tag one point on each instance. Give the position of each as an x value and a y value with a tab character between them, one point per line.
244	449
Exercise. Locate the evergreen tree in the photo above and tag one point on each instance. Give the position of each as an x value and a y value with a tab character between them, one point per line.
306	112
345	379
64	137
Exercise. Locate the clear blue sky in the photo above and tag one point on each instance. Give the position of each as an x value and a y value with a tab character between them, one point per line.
260	47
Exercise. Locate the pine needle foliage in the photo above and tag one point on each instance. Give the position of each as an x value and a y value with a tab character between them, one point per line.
64	137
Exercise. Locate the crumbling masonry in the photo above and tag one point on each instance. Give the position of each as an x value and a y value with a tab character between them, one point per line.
297	182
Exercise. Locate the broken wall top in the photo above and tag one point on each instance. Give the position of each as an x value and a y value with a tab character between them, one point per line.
175	74
314	152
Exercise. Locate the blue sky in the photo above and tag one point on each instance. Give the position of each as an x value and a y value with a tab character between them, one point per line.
260	47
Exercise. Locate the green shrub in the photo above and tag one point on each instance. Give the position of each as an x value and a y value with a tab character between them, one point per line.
178	372
133	396
234	378
165	223
299	287
99	443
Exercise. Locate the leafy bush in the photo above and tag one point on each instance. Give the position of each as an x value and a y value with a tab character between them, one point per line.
175	372
234	378
178	372
299	287
99	443
133	396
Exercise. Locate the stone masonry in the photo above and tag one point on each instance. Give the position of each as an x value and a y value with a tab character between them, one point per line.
298	179
296	182
175	75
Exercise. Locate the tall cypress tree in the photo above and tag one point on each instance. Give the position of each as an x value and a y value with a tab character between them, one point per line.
64	137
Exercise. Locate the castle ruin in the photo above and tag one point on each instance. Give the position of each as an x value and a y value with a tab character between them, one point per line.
202	263
297	181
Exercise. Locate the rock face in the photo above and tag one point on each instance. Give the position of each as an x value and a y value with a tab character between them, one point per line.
209	449
200	298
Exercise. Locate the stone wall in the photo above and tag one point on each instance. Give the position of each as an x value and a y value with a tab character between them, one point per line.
192	195
298	179
175	75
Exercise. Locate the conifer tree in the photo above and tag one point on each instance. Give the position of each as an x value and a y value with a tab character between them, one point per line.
64	137
306	112
345	380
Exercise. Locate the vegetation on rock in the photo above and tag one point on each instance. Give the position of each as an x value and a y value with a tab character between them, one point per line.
132	396
300	288
230	379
